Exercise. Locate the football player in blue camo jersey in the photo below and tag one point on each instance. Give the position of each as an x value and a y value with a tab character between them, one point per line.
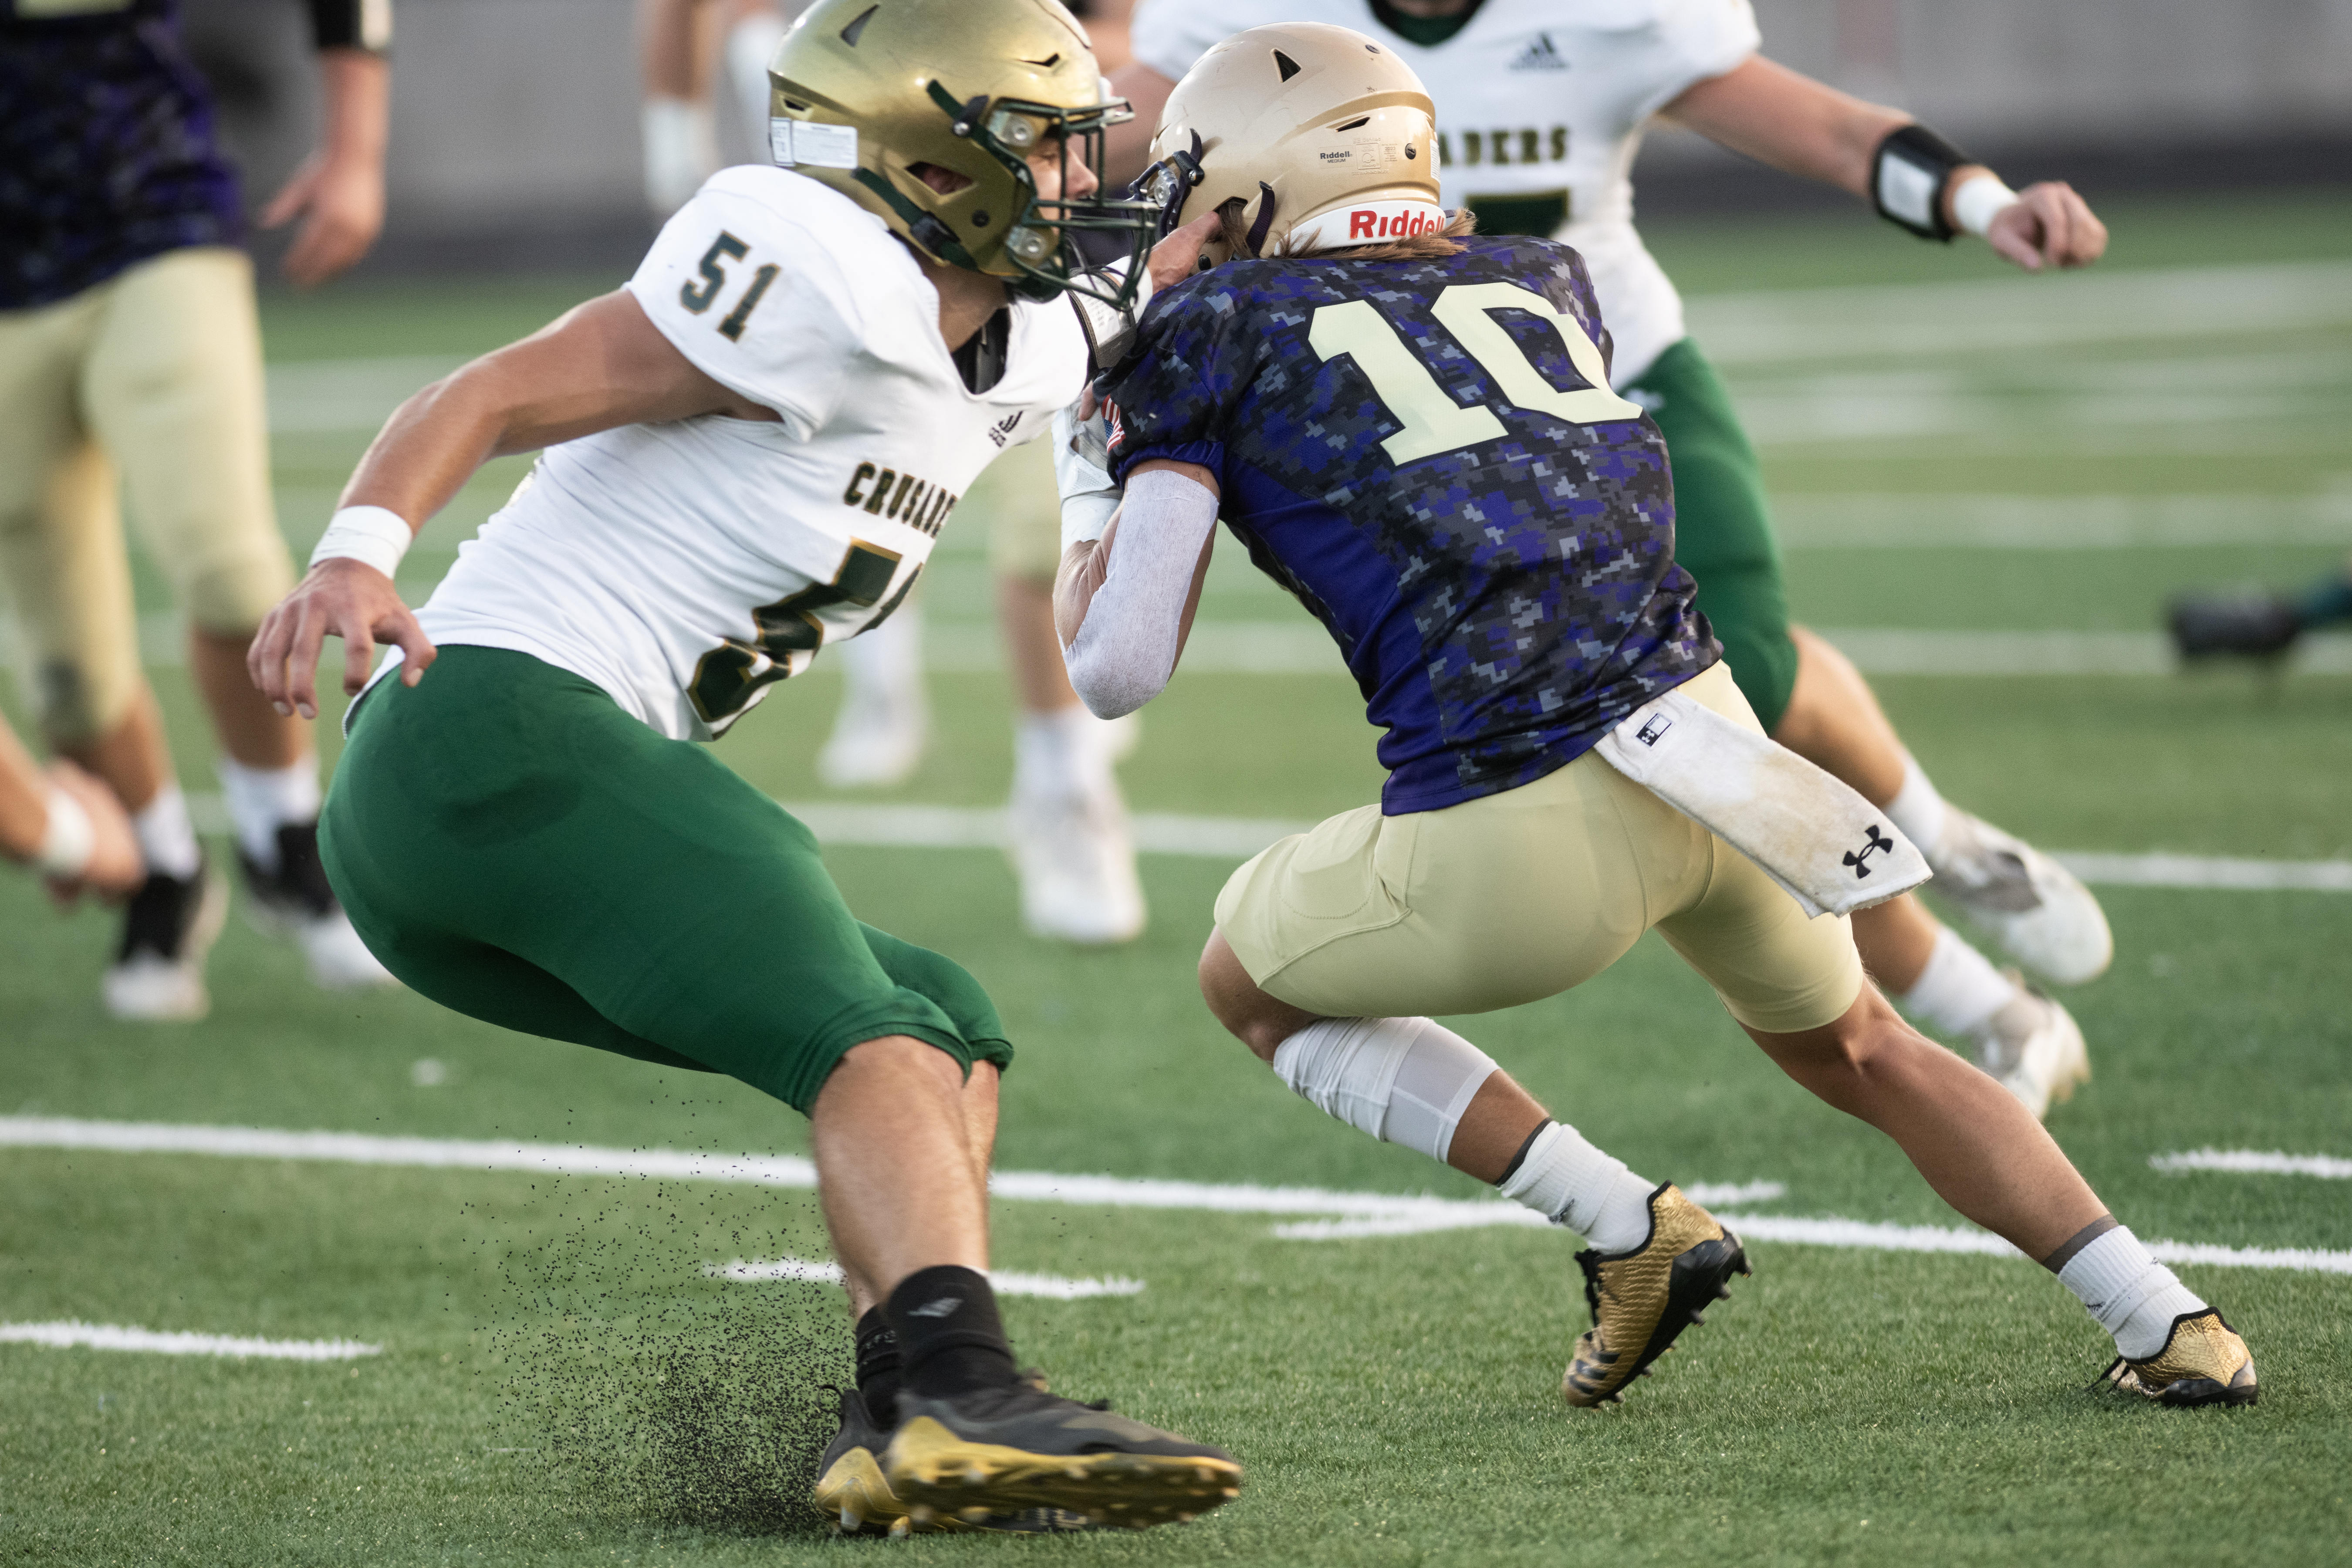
1541	107
1410	427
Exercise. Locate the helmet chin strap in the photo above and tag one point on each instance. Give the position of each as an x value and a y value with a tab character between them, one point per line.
1265	218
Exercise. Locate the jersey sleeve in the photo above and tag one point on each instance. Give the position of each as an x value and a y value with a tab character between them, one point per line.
1700	38
755	301
1174	394
1170	35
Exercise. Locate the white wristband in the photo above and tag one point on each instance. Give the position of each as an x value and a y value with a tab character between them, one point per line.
1975	203
367	534
69	840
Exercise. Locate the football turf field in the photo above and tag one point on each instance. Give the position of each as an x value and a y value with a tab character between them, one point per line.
1988	485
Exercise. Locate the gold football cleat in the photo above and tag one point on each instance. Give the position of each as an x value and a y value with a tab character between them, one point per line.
853	1492
1013	1450
1641	1299
2204	1363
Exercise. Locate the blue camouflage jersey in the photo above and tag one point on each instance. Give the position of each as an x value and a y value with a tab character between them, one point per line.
107	150
1499	577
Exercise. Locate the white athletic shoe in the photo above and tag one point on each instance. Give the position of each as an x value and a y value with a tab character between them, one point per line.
875	744
168	928
295	903
2033	906
1075	855
2033	1047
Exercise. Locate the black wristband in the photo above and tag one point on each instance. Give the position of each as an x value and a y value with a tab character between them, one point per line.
352	24
1908	178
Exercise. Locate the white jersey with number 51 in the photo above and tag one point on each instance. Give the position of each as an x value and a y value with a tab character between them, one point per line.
1538	100
686	567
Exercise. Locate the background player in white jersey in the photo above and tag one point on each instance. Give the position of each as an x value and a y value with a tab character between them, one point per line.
1067	826
749	452
1410	426
1540	109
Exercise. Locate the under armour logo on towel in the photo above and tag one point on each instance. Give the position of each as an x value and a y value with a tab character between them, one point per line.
1860	861
1653	729
939	1308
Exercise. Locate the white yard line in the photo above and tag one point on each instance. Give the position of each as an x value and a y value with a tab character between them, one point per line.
1008	1282
113	1337
1403	1215
1906	321
1943	521
1239	837
2256	1162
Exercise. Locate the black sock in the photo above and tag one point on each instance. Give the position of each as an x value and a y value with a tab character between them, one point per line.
1521	1157
950	1340
877	1367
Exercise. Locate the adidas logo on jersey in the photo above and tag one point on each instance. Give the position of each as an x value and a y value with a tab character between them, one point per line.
902	498
1541	55
1002	430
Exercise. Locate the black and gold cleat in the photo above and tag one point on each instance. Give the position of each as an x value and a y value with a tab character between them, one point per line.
851	1492
2203	1362
1004	1451
1641	1299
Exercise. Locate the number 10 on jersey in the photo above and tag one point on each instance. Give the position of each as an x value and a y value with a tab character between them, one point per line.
1433	422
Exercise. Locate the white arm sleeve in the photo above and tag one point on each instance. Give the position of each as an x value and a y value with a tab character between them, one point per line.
1126	648
1088	497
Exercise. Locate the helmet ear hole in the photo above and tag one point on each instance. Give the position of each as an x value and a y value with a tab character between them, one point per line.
1285	65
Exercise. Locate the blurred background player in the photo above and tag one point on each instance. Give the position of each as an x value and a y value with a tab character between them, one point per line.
2255	622
65	826
1540	109
1069	838
130	356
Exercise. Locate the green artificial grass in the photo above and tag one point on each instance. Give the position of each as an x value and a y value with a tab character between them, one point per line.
562	1383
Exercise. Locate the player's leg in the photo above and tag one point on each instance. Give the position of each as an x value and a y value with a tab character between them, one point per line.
1071	844
2257	623
1333	946
66	577
508	803
1810	700
1795	986
174	388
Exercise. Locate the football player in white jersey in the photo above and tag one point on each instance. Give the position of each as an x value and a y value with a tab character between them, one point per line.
1541	108
748	452
1068	834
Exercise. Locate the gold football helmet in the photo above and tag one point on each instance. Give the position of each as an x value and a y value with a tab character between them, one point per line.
1322	133
863	92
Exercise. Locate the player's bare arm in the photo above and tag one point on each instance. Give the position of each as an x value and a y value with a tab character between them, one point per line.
599	366
337	191
66	825
1790	121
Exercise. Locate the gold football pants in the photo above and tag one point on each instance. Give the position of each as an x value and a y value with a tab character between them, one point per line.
153	377
1517	896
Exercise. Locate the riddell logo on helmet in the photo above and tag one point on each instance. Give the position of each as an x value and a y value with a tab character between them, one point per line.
1363	223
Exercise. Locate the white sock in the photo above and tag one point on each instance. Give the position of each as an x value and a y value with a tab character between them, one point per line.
263	800
1960	989
2133	1296
1916	808
1063	752
167	838
1404	1080
1571	1183
886	665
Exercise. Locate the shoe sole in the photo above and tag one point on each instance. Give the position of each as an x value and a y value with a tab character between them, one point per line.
2190	1392
853	1494
941	1476
1695	1282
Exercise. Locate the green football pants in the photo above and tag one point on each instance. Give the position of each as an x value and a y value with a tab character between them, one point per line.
1723	529
514	846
